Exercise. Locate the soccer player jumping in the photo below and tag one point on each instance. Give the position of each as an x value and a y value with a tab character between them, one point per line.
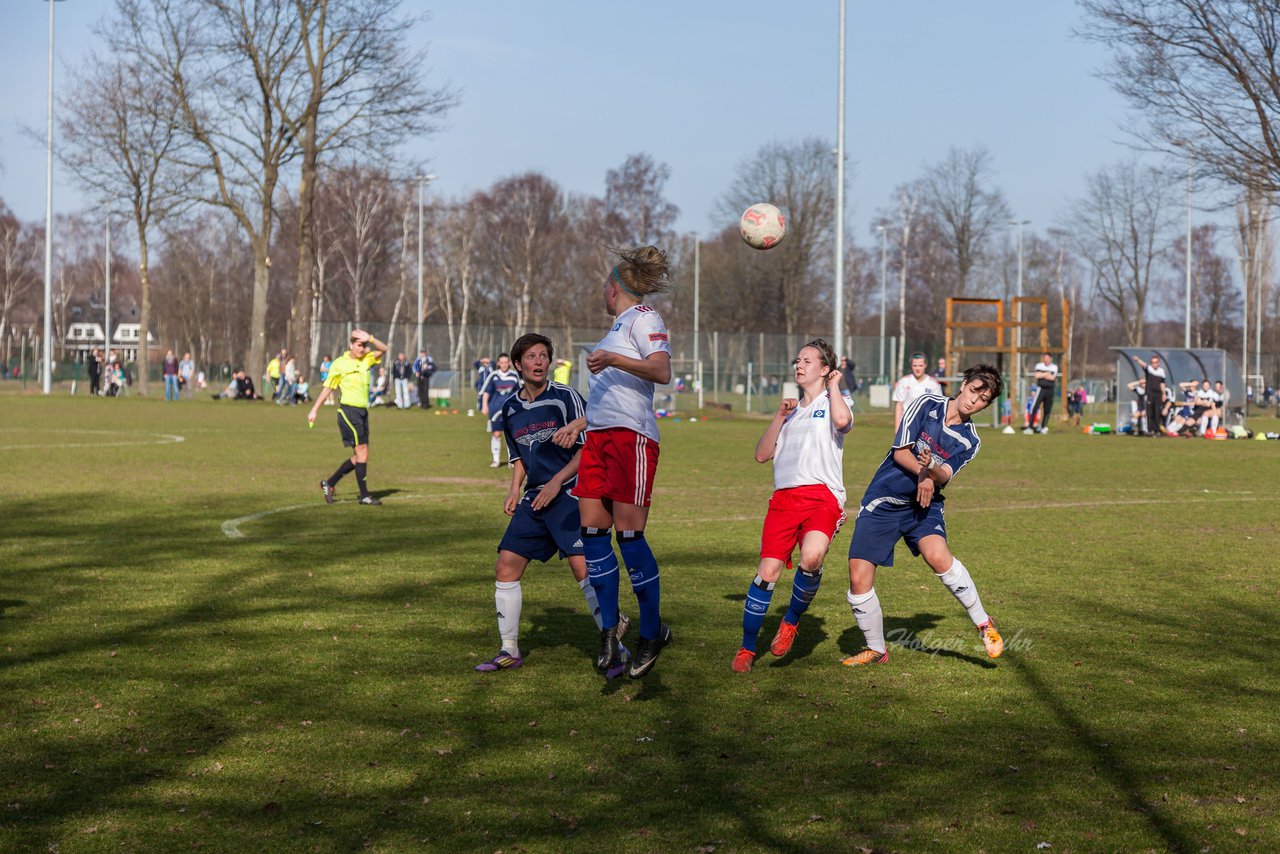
805	440
620	458
904	501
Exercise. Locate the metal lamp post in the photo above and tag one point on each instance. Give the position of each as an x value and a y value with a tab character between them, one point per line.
46	368
884	275
423	180
1017	316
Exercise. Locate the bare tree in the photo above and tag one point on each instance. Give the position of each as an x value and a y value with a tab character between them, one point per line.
524	216
457	233
228	66
119	132
634	194
801	179
1204	76
364	96
1215	294
19	253
1119	227
956	192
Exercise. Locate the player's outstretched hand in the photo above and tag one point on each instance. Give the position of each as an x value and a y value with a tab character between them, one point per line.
546	495
566	436
924	490
787	406
598	360
311	417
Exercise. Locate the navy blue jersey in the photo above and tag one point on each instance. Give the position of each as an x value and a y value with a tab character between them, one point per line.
529	426
923	422
500	385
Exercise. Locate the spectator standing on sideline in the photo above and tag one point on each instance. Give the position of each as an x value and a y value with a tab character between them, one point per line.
170	371
423	368
1046	374
94	366
941	373
288	378
187	375
273	374
400	379
563	371
1154	375
912	386
484	367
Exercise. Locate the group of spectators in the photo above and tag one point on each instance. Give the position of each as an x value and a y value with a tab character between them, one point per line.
1192	408
410	382
110	377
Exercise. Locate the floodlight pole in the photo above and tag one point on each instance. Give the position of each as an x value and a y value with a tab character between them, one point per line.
106	288
884	275
838	339
1017	317
1186	332
697	307
46	367
423	180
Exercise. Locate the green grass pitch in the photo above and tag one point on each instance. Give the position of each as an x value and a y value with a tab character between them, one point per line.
308	684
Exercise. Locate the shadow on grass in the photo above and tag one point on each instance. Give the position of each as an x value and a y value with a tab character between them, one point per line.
812	632
915	634
1107	761
10	603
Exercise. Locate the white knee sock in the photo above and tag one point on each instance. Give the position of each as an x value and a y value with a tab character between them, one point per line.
509	598
869	617
593	605
957	580
1213	423
495	444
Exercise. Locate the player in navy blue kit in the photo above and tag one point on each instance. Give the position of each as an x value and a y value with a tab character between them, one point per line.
498	386
904	502
544	514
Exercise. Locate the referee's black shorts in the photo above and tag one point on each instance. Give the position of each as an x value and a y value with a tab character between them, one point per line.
353	425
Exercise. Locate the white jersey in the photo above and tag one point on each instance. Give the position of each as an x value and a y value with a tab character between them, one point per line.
909	388
620	399
1051	369
810	449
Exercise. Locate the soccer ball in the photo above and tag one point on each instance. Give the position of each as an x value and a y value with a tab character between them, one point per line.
763	226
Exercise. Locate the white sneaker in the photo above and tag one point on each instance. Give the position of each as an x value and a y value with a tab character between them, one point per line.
1027	431
494	464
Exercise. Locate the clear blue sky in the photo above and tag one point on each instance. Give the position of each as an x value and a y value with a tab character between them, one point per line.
571	87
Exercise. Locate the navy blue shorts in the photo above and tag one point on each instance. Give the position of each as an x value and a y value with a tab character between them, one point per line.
496	421
876	532
540	534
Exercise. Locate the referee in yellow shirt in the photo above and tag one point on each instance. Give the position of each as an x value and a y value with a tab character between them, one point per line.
349	373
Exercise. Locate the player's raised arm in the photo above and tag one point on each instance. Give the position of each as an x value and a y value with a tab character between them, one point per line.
841	417
769	441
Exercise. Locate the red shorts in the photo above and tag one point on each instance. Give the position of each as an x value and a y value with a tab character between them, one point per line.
795	512
617	465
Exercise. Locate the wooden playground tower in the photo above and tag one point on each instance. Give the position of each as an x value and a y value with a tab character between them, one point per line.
1010	341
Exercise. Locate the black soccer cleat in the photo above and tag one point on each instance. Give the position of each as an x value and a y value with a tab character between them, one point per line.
647	652
609	656
327	490
370	500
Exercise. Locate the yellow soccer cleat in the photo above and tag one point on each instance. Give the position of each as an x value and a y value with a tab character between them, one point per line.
991	639
866	656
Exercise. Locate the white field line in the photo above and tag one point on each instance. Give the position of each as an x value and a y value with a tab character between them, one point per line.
231	527
158	439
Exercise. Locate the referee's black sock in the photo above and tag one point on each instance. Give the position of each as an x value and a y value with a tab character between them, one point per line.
361	468
345	469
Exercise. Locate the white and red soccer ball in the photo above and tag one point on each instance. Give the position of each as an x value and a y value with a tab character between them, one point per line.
763	226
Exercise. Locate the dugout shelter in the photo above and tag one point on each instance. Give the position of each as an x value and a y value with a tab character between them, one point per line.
1181	365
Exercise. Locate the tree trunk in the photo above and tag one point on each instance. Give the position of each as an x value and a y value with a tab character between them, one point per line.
255	357
144	313
303	298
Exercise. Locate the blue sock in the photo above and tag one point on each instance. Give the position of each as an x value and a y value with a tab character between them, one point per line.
602	572
759	595
803	589
642	566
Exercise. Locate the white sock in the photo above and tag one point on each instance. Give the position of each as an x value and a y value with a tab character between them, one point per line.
509	598
1213	423
593	605
494	445
869	617
957	580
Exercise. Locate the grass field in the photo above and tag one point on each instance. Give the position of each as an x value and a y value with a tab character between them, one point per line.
308	684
